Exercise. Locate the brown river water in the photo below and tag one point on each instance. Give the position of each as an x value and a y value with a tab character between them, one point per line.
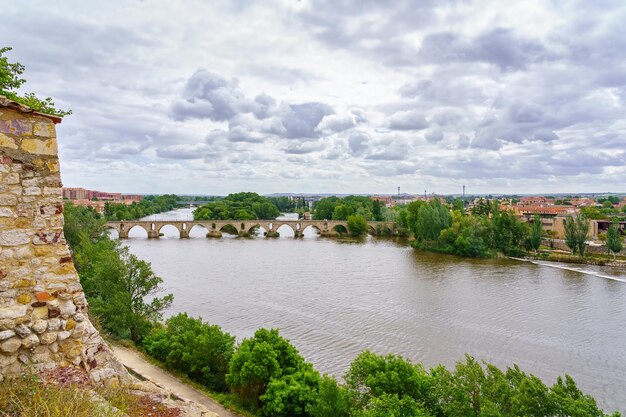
334	298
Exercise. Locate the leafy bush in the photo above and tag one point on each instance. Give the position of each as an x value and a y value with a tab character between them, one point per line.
200	350
258	360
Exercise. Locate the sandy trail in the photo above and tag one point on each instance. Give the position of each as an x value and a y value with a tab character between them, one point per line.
136	363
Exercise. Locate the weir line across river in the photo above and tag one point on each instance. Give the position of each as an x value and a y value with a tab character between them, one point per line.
247	227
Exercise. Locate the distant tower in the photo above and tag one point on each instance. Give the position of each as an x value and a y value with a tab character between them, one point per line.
425	195
463	192
398	192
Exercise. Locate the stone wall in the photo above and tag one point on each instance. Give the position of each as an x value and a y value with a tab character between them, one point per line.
43	311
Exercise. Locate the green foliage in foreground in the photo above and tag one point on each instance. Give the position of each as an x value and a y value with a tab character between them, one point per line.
239	206
148	205
117	284
10	81
200	350
273	380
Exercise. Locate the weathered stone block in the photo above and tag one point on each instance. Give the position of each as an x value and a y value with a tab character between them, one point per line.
40	326
16	127
22	330
67	308
13	312
7	324
40	147
43	238
14	238
54	324
10	345
7	142
32	191
39	313
48	338
30	341
8	200
24	298
44	129
6	334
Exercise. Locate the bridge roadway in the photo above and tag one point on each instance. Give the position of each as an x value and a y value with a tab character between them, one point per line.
246	227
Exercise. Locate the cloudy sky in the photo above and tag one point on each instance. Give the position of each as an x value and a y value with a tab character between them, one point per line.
212	97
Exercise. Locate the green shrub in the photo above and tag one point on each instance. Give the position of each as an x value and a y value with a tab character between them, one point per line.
199	350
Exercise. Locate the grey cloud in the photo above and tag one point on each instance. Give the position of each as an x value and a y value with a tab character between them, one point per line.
433	136
264	106
337	123
415	88
408	120
196	151
302	119
499	47
241	134
302	148
358	142
207	95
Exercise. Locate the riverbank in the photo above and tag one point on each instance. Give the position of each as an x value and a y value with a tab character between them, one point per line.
137	363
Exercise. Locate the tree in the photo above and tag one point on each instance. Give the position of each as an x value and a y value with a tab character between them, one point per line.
357	225
571	235
10	81
371	375
258	360
536	232
377	210
332	400
613	240
582	228
391	405
292	394
189	345
122	283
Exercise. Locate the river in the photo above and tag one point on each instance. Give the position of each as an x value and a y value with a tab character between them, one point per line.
334	298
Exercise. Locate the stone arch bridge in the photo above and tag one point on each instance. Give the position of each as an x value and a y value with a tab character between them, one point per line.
246	227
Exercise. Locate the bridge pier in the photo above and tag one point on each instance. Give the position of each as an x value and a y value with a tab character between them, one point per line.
123	234
272	233
298	233
214	234
184	234
153	234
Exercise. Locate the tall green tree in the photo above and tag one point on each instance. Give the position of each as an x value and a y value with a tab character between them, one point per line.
258	360
582	233
123	283
613	240
571	234
577	233
536	233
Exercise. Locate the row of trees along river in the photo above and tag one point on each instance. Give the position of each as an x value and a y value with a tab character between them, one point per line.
434	226
336	298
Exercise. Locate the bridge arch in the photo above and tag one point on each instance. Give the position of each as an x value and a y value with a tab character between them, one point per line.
137	228
341	229
228	228
169	230
195	229
281	225
313	228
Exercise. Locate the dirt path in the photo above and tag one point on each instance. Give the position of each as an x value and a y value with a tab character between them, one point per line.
136	363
